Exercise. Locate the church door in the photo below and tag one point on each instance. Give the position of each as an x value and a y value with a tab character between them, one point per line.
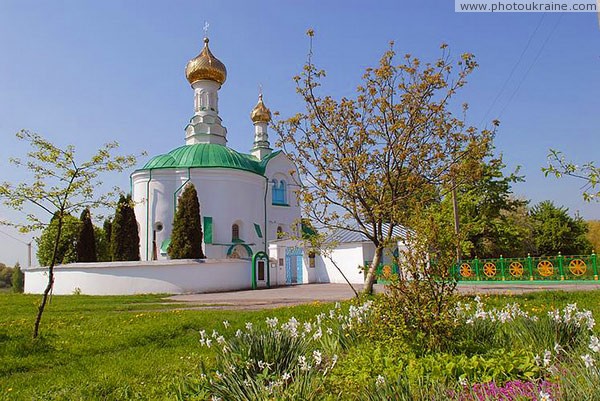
293	265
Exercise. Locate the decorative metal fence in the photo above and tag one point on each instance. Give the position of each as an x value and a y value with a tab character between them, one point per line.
560	267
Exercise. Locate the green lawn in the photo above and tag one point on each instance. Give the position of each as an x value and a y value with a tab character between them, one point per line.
106	347
139	347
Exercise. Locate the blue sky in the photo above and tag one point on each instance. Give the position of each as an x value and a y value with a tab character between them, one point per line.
88	72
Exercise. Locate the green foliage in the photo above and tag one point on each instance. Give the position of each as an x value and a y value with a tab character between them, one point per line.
124	240
186	237
555	231
18	279
67	245
374	156
593	234
589	173
86	241
6	274
421	300
492	221
102	245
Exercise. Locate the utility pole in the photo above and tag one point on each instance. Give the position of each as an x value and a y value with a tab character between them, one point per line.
456	224
29	254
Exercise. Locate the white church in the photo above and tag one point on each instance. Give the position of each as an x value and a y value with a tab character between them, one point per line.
246	200
248	203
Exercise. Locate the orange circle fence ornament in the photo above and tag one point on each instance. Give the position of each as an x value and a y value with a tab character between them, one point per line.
489	269
465	270
577	267
515	269
545	268
387	271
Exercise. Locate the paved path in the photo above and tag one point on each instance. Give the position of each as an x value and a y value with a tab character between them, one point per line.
271	297
307	293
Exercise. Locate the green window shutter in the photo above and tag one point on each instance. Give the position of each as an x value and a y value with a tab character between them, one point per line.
258	231
207	227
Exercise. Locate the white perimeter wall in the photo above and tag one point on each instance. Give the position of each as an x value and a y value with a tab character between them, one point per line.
156	277
348	257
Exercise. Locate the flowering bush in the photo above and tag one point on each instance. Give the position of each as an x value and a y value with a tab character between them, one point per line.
274	360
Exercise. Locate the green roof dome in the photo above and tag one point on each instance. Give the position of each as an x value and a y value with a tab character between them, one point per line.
208	155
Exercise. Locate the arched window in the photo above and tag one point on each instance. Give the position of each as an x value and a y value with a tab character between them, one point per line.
283	189
279	192
235	232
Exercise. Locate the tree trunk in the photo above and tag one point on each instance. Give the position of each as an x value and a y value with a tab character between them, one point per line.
371	273
38	318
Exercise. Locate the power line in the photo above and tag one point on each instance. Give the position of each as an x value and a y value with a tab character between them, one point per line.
15	238
531	65
514	68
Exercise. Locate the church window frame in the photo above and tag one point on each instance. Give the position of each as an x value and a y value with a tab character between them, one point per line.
235	232
279	192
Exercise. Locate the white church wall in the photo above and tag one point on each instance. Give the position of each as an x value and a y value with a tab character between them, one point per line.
280	167
155	277
226	195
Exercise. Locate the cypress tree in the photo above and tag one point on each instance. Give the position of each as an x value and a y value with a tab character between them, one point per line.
186	238
18	279
86	241
107	226
124	238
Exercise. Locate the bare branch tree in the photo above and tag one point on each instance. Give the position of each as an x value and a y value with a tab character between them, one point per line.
61	186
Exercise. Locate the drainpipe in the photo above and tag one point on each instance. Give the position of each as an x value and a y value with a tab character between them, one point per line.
265	235
148	212
179	189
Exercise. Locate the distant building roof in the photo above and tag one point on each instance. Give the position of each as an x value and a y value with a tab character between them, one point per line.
342	235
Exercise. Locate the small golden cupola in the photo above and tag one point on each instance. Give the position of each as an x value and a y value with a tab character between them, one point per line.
260	113
205	66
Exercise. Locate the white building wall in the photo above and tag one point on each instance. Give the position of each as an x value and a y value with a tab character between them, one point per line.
226	195
159	277
348	257
280	167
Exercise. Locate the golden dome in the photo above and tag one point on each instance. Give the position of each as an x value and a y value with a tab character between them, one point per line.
205	66
260	113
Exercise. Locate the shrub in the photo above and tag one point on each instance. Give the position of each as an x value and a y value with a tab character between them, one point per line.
18	279
186	238
86	241
125	239
5	276
67	246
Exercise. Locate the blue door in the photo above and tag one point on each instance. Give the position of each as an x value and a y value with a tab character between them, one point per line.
293	265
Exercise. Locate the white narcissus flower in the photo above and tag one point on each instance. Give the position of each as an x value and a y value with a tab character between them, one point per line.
317	357
594	344
588	360
558	348
547	358
544	396
380	381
